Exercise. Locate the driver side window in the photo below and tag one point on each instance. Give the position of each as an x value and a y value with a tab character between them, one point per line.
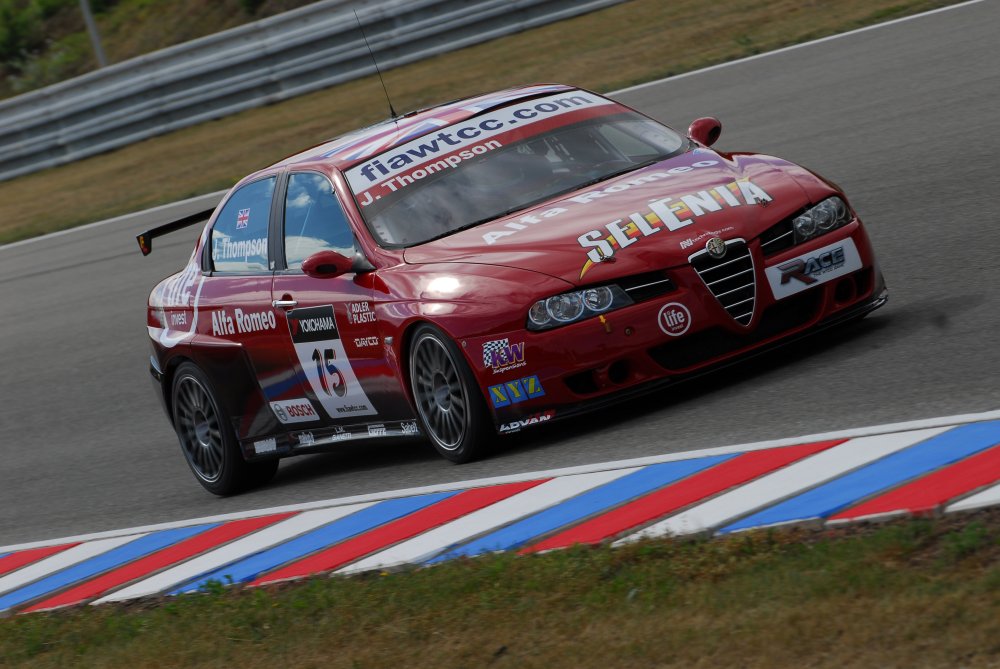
314	220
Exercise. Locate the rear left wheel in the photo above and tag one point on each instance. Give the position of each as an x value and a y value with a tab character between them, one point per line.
449	405
207	439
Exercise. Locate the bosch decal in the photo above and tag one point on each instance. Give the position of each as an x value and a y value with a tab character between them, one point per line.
813	268
515	426
502	356
674	319
512	392
294	411
325	362
666	214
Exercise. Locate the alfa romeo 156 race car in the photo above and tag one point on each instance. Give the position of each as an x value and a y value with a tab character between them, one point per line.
483	266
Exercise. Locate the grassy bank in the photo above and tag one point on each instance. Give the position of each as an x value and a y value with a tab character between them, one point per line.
629	43
910	593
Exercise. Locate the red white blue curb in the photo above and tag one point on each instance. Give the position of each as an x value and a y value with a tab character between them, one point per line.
932	466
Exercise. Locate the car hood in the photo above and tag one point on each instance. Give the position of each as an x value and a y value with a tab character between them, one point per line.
654	217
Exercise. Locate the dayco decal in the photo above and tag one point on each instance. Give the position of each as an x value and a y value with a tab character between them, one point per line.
241	322
516	425
813	268
667	213
294	411
325	363
512	392
589	196
503	356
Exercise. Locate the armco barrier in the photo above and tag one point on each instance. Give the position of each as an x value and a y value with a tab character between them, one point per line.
273	59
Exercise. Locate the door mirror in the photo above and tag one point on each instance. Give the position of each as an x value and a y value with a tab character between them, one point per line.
326	265
705	130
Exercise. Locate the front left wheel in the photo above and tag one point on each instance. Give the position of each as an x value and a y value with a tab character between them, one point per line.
207	439
450	407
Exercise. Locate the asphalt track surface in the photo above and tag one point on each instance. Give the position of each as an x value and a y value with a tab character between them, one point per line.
904	117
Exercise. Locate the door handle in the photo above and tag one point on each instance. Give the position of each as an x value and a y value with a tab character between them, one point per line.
284	304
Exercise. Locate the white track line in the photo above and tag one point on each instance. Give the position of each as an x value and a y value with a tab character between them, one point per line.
484	520
60	561
987	497
241	548
947	421
647	84
782	484
793	47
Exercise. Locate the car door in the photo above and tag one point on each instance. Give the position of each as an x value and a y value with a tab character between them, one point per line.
330	324
241	344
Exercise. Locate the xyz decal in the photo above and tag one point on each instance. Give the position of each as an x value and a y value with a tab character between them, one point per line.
512	392
325	363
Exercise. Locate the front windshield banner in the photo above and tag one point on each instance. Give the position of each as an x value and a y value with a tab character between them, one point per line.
403	165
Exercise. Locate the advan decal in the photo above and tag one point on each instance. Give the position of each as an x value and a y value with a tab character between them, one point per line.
325	363
813	268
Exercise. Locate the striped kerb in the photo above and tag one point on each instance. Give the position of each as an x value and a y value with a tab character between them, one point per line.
723	476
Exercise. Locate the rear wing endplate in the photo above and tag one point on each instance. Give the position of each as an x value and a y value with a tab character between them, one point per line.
145	239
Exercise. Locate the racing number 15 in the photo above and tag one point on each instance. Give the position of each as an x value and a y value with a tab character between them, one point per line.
331	378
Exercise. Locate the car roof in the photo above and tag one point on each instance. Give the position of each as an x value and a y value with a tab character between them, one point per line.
347	150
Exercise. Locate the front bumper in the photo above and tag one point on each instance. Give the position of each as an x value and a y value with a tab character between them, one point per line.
581	367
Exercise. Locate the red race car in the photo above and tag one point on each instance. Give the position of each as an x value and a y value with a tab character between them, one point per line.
484	266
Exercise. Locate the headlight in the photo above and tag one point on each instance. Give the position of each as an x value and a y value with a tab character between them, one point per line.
828	215
576	306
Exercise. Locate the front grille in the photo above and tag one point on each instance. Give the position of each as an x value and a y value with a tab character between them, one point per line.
642	287
777	238
731	279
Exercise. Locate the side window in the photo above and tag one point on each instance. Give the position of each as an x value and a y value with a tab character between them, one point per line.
314	219
239	236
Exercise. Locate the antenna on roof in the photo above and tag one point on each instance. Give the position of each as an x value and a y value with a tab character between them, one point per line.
377	71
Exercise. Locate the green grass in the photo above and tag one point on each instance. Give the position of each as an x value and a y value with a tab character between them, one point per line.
911	593
626	44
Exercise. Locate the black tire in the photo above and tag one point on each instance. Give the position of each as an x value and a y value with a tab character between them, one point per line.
207	438
449	406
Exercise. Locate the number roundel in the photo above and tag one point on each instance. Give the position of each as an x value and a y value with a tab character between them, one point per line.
333	381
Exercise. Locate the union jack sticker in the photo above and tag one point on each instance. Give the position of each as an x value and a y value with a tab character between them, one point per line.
242	219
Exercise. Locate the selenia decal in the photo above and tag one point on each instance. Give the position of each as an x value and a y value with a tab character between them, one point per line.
813	268
325	363
667	214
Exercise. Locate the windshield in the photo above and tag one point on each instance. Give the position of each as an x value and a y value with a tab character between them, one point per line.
483	168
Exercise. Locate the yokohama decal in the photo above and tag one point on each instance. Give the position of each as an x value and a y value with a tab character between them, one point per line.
325	363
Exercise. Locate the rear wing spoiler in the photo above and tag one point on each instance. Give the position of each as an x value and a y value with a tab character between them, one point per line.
145	239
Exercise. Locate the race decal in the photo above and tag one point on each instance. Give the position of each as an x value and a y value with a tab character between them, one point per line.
323	359
512	392
813	268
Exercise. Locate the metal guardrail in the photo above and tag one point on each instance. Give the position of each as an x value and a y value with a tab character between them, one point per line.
276	58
